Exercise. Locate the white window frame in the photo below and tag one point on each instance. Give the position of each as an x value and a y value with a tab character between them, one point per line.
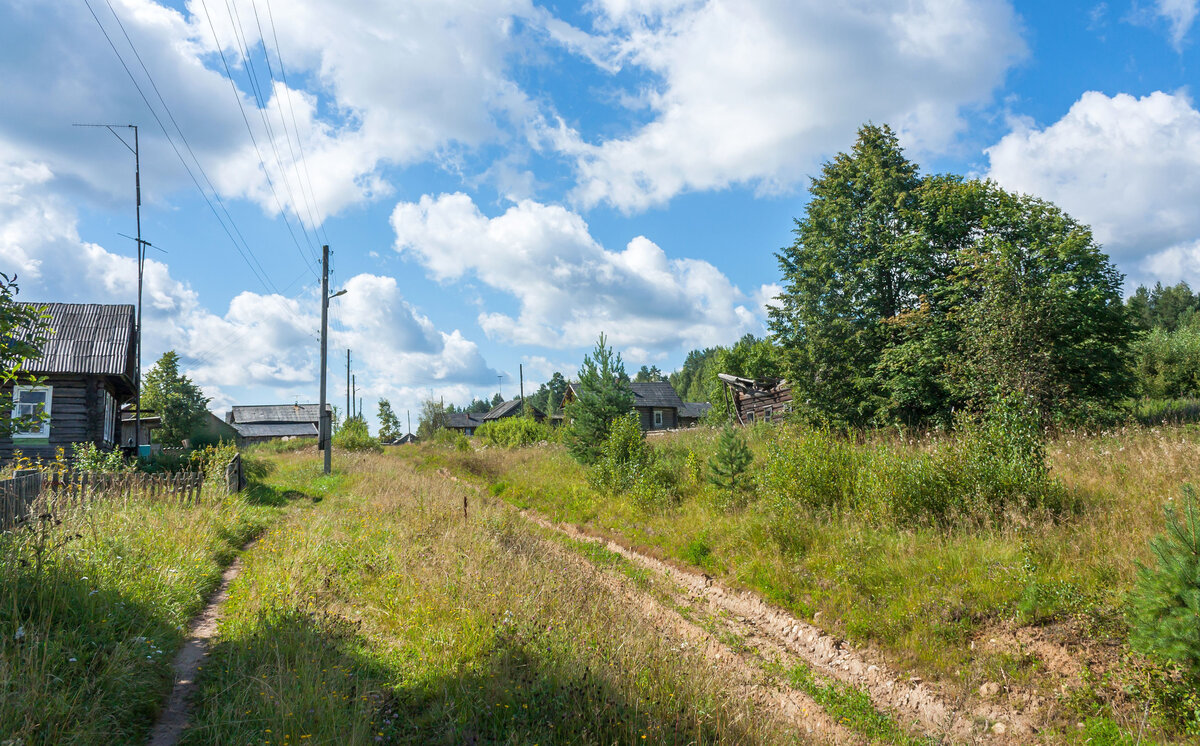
658	418
44	430
110	413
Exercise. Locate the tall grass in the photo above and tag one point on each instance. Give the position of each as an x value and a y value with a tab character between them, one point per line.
381	614
94	603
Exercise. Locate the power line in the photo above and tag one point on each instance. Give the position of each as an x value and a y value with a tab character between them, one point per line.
249	129
262	276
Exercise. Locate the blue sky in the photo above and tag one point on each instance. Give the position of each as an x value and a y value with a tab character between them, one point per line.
501	180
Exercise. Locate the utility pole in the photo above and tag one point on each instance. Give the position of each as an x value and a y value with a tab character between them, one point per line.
354	388
141	260
347	381
500	386
326	441
408	413
521	373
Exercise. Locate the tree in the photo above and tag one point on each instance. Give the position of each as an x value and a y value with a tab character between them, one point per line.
749	357
602	395
497	400
431	419
907	298
24	327
729	464
179	402
549	395
649	375
692	380
389	424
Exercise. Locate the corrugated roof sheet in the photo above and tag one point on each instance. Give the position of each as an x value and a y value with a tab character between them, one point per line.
655	394
276	429
87	338
278	413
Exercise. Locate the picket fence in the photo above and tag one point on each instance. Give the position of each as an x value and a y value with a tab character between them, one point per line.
32	493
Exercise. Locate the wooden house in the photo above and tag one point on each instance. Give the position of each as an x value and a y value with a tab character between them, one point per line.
692	412
89	370
151	421
656	403
464	422
259	423
757	399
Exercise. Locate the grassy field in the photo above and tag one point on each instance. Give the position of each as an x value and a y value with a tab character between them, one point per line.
380	613
92	610
938	600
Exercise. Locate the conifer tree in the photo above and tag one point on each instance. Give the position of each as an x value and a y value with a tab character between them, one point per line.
602	395
728	466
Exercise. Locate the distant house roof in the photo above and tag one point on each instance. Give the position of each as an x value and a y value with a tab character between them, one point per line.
277	413
695	409
509	409
655	394
463	420
402	440
88	338
276	429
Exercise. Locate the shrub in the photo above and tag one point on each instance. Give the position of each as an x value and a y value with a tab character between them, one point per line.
513	432
353	435
87	457
628	465
728	466
809	467
448	438
1166	599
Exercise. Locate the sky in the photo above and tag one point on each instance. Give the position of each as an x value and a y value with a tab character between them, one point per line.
501	181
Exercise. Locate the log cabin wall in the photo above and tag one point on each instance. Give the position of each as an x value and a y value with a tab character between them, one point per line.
764	405
77	415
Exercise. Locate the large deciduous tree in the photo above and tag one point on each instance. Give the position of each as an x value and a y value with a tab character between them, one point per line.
907	298
602	395
179	402
389	423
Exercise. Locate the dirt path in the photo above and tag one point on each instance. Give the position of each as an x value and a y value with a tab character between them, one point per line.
174	718
777	635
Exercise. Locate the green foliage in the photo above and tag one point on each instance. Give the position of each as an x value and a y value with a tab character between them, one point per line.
1165	618
353	435
389	424
649	375
448	438
548	398
513	432
24	328
432	418
728	467
211	461
173	397
629	465
907	298
694	378
88	457
602	396
1166	308
1168	362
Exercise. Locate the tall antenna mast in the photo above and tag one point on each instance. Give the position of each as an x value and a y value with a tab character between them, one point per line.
141	260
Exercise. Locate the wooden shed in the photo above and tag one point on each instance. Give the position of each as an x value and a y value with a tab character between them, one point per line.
89	367
757	399
512	408
259	423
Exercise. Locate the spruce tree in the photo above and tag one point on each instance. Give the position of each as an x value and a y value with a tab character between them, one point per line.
728	466
602	395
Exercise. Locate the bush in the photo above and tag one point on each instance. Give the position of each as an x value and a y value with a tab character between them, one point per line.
447	438
628	465
513	432
87	457
809	467
1166	599
353	435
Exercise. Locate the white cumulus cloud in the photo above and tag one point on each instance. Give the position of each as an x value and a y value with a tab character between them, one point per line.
1127	166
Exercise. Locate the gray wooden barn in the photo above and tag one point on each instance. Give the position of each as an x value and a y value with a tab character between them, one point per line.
89	366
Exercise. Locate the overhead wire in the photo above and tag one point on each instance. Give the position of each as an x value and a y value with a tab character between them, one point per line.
248	254
262	101
250	130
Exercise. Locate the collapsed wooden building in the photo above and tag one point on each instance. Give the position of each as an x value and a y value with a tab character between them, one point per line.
756	399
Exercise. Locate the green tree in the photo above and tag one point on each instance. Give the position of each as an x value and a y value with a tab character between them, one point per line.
749	357
179	402
692	380
730	463
389	424
602	395
497	400
649	375
24	327
431	419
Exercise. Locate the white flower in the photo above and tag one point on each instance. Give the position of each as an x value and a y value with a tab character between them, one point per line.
70	660
20	633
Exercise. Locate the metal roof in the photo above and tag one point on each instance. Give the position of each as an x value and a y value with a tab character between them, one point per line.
696	409
89	338
276	429
655	394
278	413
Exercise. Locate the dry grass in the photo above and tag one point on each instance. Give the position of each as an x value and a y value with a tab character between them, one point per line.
380	614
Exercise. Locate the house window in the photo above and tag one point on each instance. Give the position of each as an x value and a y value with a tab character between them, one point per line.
110	417
31	400
658	418
767	416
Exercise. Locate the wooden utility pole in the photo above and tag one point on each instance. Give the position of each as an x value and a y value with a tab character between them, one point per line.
354	394
521	373
326	441
347	382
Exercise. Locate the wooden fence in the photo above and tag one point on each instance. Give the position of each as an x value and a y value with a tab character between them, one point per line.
36	493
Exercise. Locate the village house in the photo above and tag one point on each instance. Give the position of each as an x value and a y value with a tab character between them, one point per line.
757	399
656	403
259	423
463	422
692	411
512	408
89	370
